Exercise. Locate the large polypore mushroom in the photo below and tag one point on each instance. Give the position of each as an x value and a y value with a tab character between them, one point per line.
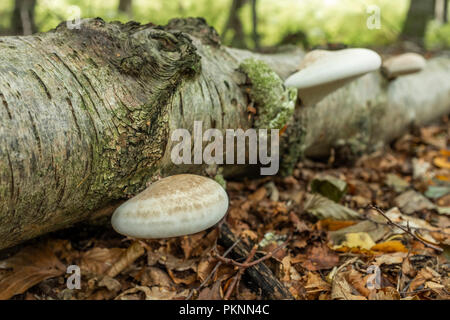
403	64
323	72
174	206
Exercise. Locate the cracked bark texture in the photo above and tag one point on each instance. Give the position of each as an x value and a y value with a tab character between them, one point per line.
86	114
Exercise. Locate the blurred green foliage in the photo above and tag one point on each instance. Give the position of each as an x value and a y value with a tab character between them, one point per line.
321	20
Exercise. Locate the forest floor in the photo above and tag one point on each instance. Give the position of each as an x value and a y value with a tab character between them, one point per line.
378	228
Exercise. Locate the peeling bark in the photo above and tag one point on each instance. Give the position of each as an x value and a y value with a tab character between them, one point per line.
86	114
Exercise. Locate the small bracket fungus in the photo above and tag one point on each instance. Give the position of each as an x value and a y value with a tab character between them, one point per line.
326	71
174	206
403	64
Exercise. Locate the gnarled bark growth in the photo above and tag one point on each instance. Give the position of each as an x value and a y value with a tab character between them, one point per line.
86	114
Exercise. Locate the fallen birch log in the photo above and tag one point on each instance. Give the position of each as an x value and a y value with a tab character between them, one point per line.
86	115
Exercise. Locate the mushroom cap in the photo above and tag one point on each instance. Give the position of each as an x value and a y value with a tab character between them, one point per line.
326	72
312	57
174	206
336	65
403	64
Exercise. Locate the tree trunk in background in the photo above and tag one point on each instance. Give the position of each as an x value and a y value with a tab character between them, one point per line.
86	115
234	23
255	34
420	12
125	6
22	21
446	10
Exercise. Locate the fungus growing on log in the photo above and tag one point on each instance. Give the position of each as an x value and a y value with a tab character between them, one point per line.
174	206
403	64
312	57
324	72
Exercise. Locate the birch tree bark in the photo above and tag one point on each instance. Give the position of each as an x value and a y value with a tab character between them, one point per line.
86	114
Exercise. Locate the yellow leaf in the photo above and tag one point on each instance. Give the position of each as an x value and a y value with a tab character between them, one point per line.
443	178
445	153
390	246
333	225
357	240
441	162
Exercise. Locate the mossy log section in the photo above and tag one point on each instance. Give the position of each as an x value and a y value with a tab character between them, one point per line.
86	114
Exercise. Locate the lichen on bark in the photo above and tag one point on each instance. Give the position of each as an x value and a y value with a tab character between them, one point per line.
274	102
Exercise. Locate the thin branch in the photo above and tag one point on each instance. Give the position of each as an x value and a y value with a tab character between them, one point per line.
390	222
237	277
413	228
213	271
250	264
246	264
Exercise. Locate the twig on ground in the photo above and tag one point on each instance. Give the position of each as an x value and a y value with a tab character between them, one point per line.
392	223
246	264
260	274
250	264
365	217
213	271
237	277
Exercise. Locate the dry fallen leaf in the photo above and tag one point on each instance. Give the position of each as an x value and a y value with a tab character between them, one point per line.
189	243
341	289
315	283
213	293
185	277
408	269
300	225
153	293
29	267
422	276
358	281
390	258
205	266
98	260
319	258
134	251
258	195
412	201
388	293
324	208
110	283
152	276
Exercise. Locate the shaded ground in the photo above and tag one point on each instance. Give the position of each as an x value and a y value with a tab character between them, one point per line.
337	248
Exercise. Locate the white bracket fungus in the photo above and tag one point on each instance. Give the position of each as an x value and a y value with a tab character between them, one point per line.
326	71
174	206
403	64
